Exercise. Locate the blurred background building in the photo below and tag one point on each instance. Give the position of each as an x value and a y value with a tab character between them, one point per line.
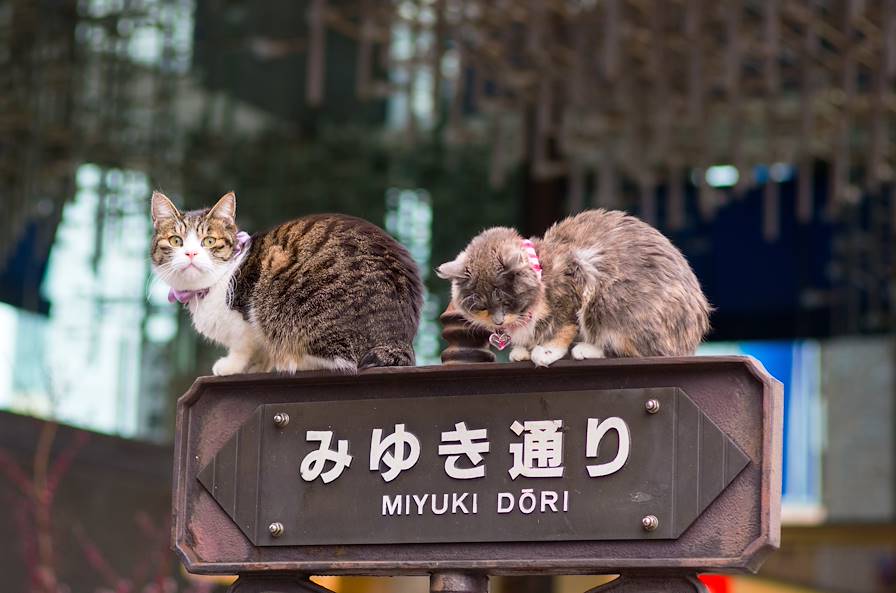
760	135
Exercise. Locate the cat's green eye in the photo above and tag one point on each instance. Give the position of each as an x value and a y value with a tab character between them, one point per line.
209	241
175	241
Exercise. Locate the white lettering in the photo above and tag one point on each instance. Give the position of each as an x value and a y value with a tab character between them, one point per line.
444	509
463	441
596	431
531	499
548	499
405	450
540	455
313	464
505	497
391	507
420	502
458	503
467	503
527	498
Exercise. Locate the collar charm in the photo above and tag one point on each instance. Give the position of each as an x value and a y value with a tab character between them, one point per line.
499	340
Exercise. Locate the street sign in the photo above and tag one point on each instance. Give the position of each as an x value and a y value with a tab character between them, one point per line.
583	467
525	467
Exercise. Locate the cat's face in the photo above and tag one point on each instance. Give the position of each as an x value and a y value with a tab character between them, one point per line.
192	250
492	282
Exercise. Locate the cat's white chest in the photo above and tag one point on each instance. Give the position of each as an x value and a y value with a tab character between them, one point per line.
523	336
214	319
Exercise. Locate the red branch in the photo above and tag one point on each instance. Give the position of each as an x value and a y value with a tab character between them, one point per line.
96	559
33	499
15	475
64	462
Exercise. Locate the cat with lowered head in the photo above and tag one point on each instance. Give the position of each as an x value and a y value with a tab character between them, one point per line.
602	283
325	291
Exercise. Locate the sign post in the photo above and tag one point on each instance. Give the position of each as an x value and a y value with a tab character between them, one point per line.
656	469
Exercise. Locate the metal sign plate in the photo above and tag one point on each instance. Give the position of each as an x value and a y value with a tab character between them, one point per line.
652	453
706	465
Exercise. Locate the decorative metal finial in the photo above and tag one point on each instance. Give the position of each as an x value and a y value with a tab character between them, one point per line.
465	344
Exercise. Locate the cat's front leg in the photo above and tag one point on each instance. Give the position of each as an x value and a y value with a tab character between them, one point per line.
237	361
519	353
555	348
584	351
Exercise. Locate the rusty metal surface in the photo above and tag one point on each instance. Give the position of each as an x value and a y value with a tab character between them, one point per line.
676	463
735	531
458	582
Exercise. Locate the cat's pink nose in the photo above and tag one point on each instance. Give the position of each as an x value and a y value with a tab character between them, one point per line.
191	254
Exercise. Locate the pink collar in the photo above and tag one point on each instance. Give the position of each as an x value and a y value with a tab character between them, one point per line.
185	296
529	248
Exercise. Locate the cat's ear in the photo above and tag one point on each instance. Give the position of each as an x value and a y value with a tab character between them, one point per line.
162	208
225	209
453	269
512	261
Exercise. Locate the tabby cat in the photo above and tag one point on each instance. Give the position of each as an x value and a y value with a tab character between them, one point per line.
604	279
321	292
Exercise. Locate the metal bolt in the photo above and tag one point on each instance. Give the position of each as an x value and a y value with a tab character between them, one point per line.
652	406
281	419
650	523
276	529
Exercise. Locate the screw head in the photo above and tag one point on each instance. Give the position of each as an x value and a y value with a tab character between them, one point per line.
276	529
652	406
650	523
281	419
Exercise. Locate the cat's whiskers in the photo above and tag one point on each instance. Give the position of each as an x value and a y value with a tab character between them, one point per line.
154	281
162	273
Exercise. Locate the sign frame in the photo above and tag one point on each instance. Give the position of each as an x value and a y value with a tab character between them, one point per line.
735	532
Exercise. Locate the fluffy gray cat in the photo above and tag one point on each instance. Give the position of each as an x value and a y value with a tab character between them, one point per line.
604	280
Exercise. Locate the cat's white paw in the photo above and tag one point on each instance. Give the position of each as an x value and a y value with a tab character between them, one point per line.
229	365
544	356
519	353
584	350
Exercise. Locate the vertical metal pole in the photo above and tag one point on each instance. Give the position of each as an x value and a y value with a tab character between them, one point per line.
275	583
635	583
458	582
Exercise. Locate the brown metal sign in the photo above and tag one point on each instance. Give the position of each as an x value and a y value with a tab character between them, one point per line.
573	465
583	467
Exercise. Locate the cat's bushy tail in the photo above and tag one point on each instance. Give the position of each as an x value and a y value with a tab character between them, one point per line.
388	355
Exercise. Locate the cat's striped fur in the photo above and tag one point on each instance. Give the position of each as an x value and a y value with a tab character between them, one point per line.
323	291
